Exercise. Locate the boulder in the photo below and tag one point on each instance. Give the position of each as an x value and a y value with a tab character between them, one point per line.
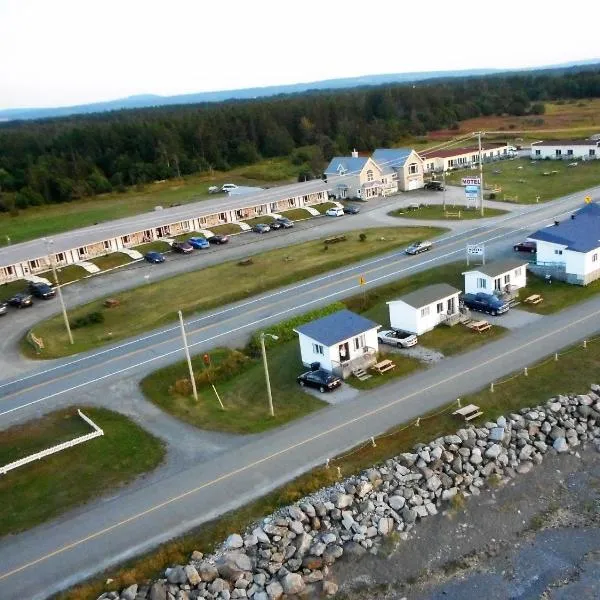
176	575
433	483
560	444
296	514
231	565
207	571
234	541
292	583
274	590
130	592
218	586
396	502
493	451
557	432
302	543
261	536
192	575
385	525
344	501
496	434
158	591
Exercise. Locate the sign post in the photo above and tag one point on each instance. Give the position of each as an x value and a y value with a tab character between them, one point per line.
471	194
475	250
362	282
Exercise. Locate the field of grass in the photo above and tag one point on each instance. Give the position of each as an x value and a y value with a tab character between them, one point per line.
225	229
144	308
65	274
262	219
156	246
296	214
43	490
404	366
522	180
112	260
10	289
322	208
435	211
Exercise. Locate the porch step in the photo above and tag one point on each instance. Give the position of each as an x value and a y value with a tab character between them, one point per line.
361	374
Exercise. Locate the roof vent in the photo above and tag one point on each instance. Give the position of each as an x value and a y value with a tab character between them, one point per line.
355	153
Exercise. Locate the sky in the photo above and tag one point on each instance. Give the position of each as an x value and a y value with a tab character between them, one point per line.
67	52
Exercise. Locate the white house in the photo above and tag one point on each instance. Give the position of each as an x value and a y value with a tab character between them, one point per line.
570	250
566	149
340	342
436	161
401	169
500	277
354	177
422	310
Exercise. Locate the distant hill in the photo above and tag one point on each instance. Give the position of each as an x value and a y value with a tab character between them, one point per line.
147	100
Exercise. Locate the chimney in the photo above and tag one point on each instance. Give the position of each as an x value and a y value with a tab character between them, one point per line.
354	153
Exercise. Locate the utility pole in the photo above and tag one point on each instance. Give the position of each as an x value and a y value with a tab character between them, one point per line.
444	190
58	290
480	174
187	356
264	357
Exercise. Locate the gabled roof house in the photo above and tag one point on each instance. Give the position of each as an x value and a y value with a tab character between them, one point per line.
354	177
401	165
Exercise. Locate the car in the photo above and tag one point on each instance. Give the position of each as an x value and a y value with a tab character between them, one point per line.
275	225
3	307
436	186
21	300
154	257
213	189
218	239
419	247
485	303
525	247
396	337
261	228
182	247
350	209
335	211
284	222
323	380
42	290
199	243
228	187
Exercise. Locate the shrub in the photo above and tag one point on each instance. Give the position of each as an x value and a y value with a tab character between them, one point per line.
89	319
362	237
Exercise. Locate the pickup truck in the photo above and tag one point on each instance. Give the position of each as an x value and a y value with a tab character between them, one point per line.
401	339
486	303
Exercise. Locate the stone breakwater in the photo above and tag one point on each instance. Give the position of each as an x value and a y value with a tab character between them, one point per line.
290	553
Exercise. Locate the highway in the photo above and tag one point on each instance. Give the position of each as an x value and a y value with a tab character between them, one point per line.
51	557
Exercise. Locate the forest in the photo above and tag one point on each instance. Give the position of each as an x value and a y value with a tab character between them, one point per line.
59	160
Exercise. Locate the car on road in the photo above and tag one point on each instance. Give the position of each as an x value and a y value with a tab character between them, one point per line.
154	257
419	247
182	247
351	209
3	307
275	225
228	187
21	300
319	379
199	243
525	246
284	222
218	239
261	228
485	303
335	211
42	290
436	186
396	337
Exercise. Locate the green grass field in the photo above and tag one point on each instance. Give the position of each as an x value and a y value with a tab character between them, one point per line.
296	214
42	490
156	246
451	213
112	260
226	229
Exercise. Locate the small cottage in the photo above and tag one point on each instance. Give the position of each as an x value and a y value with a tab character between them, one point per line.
424	309
340	343
499	277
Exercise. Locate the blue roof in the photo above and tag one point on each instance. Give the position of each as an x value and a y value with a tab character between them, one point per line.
581	234
336	327
388	159
340	165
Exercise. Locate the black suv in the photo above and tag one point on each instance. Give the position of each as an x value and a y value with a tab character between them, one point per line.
320	379
42	290
21	300
436	186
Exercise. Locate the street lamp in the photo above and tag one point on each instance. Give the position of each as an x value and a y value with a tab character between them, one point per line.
49	243
264	357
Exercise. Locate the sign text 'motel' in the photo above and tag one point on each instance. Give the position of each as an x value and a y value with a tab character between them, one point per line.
471	181
475	249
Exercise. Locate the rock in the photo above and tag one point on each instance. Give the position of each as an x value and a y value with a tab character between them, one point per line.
218	586
176	575
555	406
493	451
296	514
328	538
312	562
296	527
496	434
354	550
385	525
274	590
308	509
207	571
453	439
158	591
332	553
318	548
129	593
364	487
396	502
302	543
232	565
197	555
234	541
259	579
344	501
560	444
261	536
260	596
524	467
557	432
409	515
292	583
449	493
433	483
313	576
525	452
329	588
192	575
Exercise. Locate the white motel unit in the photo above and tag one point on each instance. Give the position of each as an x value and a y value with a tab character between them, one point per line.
566	150
500	277
424	309
340	343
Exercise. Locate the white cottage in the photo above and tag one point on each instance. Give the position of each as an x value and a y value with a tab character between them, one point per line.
420	311
340	342
502	277
566	150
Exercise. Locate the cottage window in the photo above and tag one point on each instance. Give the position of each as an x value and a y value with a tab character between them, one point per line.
518	272
425	311
558	252
318	349
440	307
412	168
81	252
538	152
592	152
569	152
359	341
481	283
507	278
558	152
595	257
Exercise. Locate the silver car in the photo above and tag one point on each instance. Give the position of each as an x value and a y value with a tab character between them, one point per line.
419	247
400	339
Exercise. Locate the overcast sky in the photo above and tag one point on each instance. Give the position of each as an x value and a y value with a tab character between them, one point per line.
64	52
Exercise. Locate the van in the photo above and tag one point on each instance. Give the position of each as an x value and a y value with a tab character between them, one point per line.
335	211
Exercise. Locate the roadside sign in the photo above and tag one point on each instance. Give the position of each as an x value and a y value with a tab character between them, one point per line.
362	280
475	249
471	181
588	199
472	192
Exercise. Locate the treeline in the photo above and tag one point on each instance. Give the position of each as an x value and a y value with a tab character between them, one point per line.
64	159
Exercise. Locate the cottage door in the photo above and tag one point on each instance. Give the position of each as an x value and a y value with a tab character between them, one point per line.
497	284
451	308
344	351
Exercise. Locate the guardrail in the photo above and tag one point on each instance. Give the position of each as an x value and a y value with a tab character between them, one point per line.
58	448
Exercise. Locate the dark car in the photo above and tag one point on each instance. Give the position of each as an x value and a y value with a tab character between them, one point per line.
351	210
3	307
419	247
199	243
218	239
21	300
275	225
261	228
436	186
182	247
320	379
154	257
284	222
485	303
42	290
525	247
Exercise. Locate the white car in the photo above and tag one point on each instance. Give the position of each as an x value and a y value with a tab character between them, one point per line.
335	211
228	187
419	247
400	339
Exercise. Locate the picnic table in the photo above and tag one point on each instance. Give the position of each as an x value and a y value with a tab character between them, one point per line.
478	326
383	366
533	299
469	412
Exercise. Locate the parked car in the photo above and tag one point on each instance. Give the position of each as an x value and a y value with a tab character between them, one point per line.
21	300
199	243
436	186
485	303
275	225
218	239
350	209
213	189
419	247
228	187
42	290
335	211
261	228
320	379
182	247
525	247
284	222
3	307
154	257
395	337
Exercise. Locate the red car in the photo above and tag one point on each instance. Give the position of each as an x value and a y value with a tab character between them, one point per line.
525	247
182	247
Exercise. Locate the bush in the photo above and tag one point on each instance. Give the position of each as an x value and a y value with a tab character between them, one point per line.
362	237
492	196
90	319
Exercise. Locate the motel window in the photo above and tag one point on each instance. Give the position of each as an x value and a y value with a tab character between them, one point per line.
594	257
558	252
10	271
412	168
569	152
125	239
481	283
318	349
425	311
439	307
507	278
592	152
222	217
33	264
369	175
81	252
558	152
450	163
538	152
107	245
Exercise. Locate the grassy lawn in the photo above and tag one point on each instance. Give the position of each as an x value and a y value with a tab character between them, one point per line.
322	208
242	392
296	214
524	179
109	261
458	339
436	211
263	219
146	307
404	366
225	229
10	289
65	274
157	246
184	237
47	488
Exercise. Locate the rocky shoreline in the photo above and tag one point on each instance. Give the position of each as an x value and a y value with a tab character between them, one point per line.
291	553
